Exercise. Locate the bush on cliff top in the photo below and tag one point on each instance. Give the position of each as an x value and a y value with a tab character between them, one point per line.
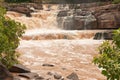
10	31
109	58
116	1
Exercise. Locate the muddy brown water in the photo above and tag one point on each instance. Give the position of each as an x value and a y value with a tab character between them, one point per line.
67	56
44	43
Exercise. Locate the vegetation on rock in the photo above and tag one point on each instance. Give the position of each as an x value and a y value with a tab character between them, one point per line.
10	32
116	1
109	58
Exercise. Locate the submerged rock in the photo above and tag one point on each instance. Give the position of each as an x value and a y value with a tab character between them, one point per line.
73	76
103	35
48	65
4	73
57	76
29	75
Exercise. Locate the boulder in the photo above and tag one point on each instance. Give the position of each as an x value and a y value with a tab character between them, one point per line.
4	73
73	76
107	35
30	75
23	10
98	36
57	76
62	13
19	68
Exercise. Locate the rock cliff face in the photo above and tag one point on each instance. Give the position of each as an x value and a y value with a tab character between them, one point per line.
25	8
78	16
77	19
90	17
107	16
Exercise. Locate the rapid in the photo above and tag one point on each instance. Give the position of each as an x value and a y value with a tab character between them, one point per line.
46	43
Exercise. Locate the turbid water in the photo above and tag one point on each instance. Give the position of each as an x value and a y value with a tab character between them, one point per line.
68	50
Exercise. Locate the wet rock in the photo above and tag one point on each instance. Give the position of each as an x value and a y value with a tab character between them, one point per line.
50	73
57	76
21	9
98	36
29	75
85	22
73	76
62	13
76	20
48	65
107	35
4	73
18	68
64	68
68	23
36	6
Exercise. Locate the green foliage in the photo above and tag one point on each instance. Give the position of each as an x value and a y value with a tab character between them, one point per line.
10	31
116	1
109	58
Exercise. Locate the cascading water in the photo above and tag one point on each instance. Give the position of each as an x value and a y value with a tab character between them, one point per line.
45	42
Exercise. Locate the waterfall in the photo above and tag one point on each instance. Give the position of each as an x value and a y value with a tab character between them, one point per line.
59	35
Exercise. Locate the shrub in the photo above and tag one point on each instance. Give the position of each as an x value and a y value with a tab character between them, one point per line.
10	31
109	58
116	1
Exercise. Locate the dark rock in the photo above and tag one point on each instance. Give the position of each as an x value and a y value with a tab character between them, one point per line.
108	35
4	73
39	78
36	6
49	65
62	13
20	9
98	36
50	73
79	12
57	76
64	68
18	68
73	76
29	75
